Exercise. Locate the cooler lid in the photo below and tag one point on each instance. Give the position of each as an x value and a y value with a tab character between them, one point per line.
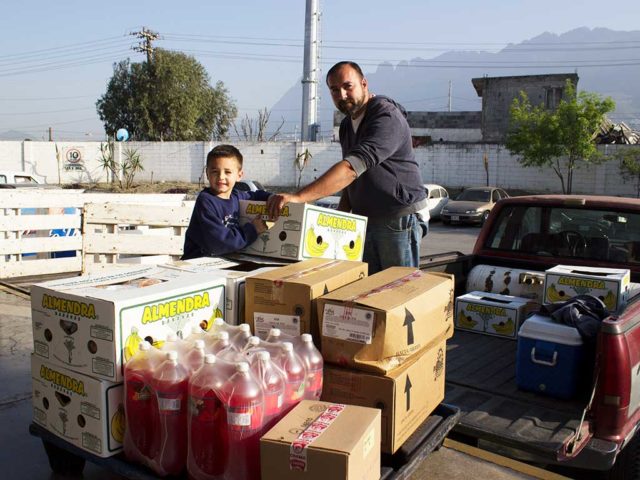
539	327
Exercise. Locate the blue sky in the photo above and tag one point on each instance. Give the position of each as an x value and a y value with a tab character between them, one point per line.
56	57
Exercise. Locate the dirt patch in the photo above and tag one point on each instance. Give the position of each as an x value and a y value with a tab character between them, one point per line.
156	187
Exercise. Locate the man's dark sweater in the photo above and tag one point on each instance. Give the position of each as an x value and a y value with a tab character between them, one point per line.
389	184
214	228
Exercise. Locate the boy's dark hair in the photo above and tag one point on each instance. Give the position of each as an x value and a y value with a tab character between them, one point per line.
345	63
224	151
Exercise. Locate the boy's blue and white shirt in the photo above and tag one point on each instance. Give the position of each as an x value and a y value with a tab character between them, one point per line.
215	228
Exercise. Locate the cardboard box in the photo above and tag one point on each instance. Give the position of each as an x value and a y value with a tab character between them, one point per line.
286	296
319	440
611	285
406	396
492	313
235	292
383	320
84	411
92	324
307	231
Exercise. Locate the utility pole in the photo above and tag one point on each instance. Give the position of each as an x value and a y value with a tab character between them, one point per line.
450	95
50	134
147	36
309	125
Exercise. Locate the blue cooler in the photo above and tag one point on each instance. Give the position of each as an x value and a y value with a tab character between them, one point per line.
550	357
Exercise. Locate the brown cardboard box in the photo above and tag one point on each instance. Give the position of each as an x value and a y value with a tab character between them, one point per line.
406	397
285	297
380	322
320	441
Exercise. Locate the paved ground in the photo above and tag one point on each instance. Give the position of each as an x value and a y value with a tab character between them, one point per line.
22	455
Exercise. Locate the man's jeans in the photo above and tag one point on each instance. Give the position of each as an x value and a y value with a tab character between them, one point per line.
392	242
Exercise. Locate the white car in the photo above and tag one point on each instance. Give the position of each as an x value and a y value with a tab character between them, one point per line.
437	197
248	185
12	179
331	201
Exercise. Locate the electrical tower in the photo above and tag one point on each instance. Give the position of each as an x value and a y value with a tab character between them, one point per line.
147	36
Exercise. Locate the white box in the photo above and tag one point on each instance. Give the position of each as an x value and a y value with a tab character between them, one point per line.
611	285
307	231
492	313
82	410
93	323
234	306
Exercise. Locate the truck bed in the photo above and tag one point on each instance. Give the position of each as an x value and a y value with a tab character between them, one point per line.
480	380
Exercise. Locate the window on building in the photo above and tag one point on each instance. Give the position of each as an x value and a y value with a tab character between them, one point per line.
553	95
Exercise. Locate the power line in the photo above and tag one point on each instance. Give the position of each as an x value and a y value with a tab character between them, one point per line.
64	47
28	99
350	42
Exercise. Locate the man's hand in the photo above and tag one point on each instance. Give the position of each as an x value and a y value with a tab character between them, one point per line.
277	201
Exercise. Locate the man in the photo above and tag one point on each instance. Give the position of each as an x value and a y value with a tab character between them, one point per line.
379	174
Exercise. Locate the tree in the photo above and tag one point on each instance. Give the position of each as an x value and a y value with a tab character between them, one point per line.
255	129
630	165
301	161
123	171
168	99
560	138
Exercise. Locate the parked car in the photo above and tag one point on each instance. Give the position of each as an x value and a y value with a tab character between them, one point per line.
472	205
331	201
248	185
14	179
437	198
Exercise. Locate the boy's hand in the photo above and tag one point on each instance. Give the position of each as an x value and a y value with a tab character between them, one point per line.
260	224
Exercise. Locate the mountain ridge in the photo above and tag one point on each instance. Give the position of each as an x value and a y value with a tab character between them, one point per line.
603	58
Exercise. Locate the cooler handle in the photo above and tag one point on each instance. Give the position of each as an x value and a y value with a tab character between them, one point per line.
551	363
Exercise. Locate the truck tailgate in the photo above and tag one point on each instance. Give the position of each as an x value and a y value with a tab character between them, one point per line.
480	380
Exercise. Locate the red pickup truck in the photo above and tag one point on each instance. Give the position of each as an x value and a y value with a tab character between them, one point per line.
596	431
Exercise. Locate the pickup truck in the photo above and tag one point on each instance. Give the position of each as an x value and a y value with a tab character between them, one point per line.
596	431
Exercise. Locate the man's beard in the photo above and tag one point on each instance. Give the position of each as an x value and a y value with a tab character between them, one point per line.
350	107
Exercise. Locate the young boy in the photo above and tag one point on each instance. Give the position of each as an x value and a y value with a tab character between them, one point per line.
214	228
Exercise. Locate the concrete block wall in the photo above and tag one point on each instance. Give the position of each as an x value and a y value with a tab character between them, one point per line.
453	165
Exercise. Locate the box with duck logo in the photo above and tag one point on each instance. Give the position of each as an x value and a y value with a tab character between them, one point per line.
406	396
305	231
611	285
492	313
84	411
285	297
93	324
382	321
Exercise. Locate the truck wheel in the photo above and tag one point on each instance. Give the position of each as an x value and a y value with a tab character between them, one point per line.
63	462
627	466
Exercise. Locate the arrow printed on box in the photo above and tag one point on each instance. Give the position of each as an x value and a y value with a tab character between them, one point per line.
408	322
407	392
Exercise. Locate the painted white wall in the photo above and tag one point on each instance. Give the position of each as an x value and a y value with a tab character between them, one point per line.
272	163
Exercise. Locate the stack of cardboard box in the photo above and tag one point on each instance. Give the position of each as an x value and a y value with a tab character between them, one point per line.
286	297
85	328
383	339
